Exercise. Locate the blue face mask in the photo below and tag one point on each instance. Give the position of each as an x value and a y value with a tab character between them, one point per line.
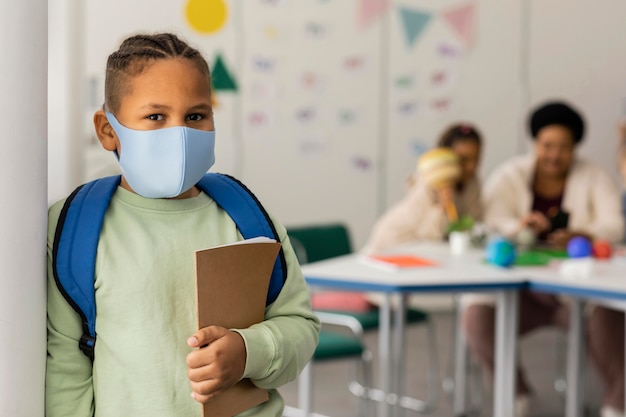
163	163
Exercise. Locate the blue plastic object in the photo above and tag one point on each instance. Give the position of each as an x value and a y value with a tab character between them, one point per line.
579	247
500	252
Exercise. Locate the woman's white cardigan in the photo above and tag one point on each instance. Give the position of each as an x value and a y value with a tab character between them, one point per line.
591	198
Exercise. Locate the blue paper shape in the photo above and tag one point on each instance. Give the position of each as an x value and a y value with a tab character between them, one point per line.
414	23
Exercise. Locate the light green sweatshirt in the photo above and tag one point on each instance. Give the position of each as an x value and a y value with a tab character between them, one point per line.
145	313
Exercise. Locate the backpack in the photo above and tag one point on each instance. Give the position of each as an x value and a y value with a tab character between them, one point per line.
78	232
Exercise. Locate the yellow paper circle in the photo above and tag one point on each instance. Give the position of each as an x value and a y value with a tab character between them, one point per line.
206	16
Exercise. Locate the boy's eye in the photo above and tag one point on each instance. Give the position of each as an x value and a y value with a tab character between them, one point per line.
195	117
156	117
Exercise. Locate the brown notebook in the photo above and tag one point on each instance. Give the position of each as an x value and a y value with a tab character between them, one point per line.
231	287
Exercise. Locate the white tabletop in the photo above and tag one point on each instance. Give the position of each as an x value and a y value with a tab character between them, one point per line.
451	273
606	281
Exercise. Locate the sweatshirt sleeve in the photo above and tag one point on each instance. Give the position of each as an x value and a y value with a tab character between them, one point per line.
502	193
607	221
280	346
69	388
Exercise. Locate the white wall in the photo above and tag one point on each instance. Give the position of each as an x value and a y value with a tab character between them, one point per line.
321	168
67	93
577	51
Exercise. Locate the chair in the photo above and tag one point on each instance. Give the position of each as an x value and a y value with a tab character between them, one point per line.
322	241
334	345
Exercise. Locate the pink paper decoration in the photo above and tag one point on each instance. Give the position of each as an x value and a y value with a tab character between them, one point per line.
462	20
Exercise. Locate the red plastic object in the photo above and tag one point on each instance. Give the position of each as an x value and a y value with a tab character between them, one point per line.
602	249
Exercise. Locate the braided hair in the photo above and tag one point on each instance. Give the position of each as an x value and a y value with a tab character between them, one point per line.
137	52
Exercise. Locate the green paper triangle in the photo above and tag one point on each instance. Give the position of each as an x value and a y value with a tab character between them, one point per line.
221	78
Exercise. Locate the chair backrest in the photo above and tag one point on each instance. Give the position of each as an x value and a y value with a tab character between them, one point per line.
319	241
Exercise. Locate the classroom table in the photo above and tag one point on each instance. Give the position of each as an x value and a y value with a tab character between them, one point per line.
451	274
605	285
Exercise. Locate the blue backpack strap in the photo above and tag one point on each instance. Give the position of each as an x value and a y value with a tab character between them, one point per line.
74	251
250	217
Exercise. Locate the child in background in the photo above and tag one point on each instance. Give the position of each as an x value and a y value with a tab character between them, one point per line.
424	213
149	358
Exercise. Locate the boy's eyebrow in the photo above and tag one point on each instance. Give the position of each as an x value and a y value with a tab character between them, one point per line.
202	106
156	106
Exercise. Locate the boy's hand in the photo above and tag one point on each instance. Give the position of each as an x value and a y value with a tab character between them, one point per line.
217	364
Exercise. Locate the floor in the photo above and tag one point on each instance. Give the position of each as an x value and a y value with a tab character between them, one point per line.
540	353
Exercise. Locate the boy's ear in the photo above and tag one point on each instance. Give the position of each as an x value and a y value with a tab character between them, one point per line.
104	131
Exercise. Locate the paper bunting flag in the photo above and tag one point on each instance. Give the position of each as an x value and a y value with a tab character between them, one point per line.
413	22
206	16
220	76
462	21
369	11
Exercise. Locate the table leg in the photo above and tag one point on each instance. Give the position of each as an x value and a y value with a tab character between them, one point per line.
575	360
460	367
384	354
506	354
399	352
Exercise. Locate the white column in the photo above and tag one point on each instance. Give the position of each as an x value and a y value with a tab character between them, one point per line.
23	126
66	97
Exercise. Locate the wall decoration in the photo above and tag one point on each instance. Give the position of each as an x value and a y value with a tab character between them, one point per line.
407	108
440	106
221	77
369	11
447	50
271	32
258	119
313	145
461	19
316	30
311	81
361	163
417	147
443	79
413	22
305	115
206	16
405	82
347	116
263	64
354	63
264	90
271	2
